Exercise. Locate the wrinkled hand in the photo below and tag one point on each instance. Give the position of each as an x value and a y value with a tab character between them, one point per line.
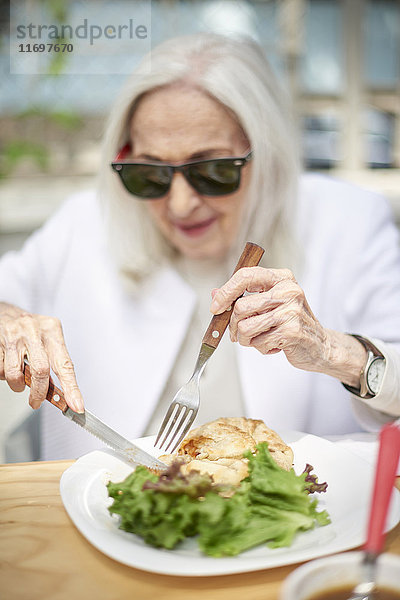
276	318
41	340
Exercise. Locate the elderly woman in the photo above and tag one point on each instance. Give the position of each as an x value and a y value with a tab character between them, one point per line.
200	157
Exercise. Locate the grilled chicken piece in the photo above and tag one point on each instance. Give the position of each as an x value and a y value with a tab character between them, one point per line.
217	448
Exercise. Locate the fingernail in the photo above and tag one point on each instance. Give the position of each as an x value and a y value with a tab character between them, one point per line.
78	404
33	404
215	307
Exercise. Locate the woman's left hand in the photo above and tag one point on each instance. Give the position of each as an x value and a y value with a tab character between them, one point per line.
278	318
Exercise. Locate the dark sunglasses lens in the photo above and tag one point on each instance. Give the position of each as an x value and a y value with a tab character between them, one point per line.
146	181
215	177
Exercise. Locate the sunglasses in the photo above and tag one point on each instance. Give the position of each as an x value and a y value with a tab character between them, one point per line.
147	180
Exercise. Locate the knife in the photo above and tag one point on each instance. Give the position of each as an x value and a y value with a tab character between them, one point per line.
128	451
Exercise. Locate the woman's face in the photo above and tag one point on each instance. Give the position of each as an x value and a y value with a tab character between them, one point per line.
178	124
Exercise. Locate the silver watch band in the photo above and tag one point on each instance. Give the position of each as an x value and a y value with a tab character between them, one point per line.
372	353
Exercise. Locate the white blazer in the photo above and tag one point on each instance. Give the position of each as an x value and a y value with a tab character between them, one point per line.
124	346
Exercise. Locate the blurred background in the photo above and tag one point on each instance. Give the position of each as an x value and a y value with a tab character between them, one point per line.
339	59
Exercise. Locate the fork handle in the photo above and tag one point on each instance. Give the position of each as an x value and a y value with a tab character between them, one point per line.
250	257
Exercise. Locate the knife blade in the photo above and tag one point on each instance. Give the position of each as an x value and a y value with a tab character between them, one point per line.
129	452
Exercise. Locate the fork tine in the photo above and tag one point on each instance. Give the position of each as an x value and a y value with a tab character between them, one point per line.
183	416
173	421
165	422
171	425
185	429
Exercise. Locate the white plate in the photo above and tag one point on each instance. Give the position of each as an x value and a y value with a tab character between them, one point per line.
85	497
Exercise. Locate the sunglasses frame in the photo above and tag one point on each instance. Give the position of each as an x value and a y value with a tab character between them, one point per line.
120	160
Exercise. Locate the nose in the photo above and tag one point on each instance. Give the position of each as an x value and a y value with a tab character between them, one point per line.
182	198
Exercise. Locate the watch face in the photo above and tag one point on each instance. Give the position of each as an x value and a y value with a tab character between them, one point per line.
375	374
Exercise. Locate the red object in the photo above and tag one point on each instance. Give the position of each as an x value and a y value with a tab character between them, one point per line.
385	475
122	153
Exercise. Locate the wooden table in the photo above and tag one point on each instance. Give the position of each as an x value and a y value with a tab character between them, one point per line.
43	556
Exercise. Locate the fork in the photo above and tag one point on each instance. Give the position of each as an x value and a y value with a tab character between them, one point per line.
184	407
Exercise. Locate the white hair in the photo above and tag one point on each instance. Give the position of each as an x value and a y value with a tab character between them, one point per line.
236	73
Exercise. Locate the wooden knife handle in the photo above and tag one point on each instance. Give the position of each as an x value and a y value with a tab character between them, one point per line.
54	394
250	257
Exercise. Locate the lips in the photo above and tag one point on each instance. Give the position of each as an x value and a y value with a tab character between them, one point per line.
195	229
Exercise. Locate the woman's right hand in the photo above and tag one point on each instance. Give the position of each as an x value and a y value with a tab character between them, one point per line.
41	340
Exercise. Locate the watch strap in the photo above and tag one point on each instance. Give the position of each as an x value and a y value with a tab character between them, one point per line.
372	353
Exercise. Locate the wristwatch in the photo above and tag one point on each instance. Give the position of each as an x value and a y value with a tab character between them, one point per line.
372	373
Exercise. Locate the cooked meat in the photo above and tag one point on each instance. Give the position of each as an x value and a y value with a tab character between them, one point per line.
231	437
227	471
217	448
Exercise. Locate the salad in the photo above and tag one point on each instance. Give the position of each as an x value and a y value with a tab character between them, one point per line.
270	506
